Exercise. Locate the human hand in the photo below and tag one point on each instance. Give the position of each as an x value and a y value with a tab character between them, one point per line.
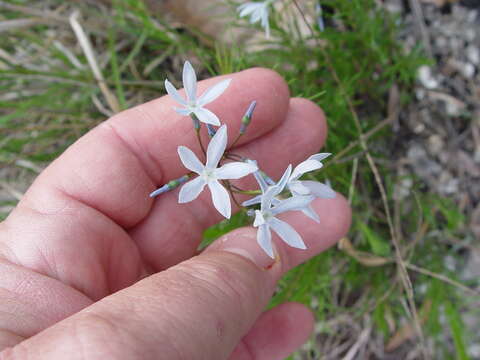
92	268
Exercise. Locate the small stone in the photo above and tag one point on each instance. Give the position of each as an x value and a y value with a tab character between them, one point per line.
435	144
426	78
473	54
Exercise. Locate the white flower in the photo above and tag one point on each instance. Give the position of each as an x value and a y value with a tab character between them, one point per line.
266	221
258	11
192	104
301	188
307	187
209	174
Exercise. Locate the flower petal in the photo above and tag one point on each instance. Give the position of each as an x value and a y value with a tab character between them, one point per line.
305	166
207	117
248	8
235	170
259	219
217	146
184	112
319	156
191	190
213	92
253	201
189	81
284	180
220	198
287	233
264	239
174	93
319	190
292	204
190	160
297	188
312	214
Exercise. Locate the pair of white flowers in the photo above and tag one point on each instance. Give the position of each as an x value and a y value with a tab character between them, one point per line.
212	175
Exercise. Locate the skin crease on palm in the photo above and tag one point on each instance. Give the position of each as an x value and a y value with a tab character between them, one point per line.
92	268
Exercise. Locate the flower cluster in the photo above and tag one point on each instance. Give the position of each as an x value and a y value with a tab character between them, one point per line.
222	165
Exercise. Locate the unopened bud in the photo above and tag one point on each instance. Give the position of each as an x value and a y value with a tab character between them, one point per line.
170	186
247	118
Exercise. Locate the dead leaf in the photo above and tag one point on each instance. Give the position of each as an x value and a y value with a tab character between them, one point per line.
364	258
407	332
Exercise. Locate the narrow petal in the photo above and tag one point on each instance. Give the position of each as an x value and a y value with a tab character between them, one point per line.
319	190
267	197
191	190
292	204
220	198
264	239
174	93
259	219
287	233
217	146
184	112
297	188
253	201
190	160
190	81
312	214
319	156
213	92
207	117
235	170
284	180
261	181
304	167
247	9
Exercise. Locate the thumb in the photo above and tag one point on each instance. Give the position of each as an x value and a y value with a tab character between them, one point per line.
198	309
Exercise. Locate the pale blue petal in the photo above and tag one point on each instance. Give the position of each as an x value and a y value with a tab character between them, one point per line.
174	93
213	92
207	117
297	188
235	170
190	81
319	190
217	147
248	8
287	233
253	201
292	204
319	156
312	214
264	239
190	160
191	190
261	181
284	180
220	198
184	112
259	219
304	167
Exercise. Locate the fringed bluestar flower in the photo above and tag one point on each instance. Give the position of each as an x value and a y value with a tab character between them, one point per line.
258	12
210	175
265	218
193	105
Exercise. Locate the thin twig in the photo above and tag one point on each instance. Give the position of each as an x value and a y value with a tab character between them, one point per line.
92	61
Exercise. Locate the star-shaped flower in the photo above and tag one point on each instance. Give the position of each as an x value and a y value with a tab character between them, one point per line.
209	174
258	12
301	188
192	104
265	218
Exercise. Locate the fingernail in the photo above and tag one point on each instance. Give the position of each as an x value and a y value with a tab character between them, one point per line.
245	245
